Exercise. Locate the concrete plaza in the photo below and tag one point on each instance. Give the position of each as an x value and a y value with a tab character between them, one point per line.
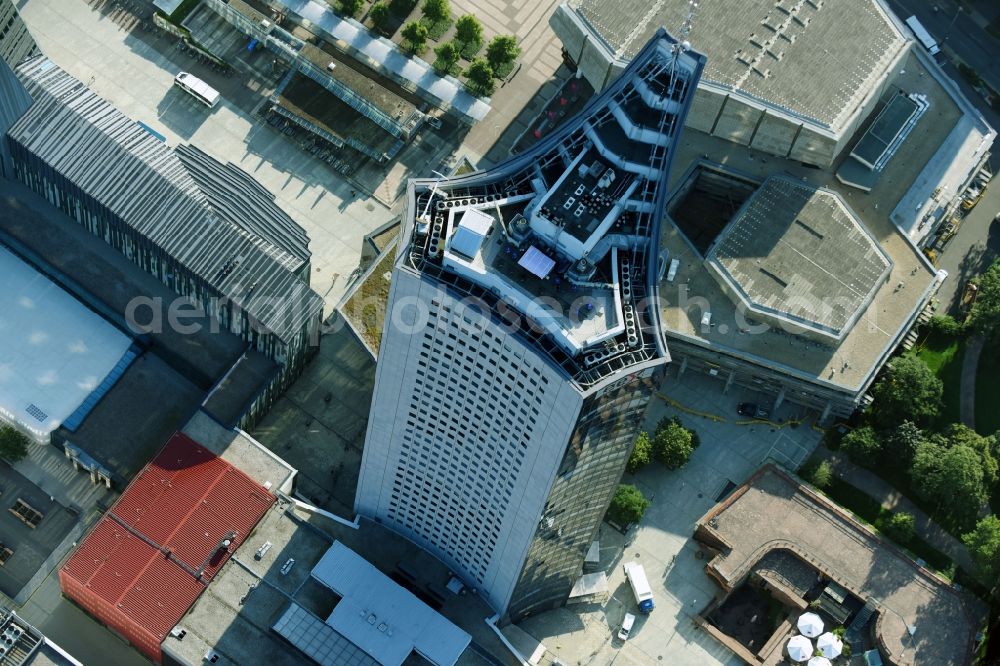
732	448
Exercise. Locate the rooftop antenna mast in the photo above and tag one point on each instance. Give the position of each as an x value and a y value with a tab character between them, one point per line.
686	26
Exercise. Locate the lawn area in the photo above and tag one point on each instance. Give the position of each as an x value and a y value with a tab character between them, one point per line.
943	355
988	392
871	512
366	307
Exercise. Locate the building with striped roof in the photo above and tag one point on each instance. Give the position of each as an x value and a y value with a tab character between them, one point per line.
206	229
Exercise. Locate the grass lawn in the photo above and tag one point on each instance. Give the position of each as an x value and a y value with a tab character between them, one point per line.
366	307
943	355
988	392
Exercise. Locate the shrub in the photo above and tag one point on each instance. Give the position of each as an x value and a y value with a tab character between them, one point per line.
901	528
480	76
673	444
627	506
944	325
642	453
415	34
379	14
13	443
862	446
821	476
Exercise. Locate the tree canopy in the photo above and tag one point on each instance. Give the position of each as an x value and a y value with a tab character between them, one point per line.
447	55
480	76
862	446
908	390
379	14
951	477
642	453
468	29
902	527
673	444
984	545
984	316
13	443
627	506
437	10
501	50
900	443
350	7
415	34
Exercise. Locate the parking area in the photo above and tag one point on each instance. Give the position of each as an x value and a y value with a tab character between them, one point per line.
134	70
732	448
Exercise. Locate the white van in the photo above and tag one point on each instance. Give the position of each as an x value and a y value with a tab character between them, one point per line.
626	626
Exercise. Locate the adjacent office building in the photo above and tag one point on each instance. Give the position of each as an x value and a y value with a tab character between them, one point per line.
206	229
522	342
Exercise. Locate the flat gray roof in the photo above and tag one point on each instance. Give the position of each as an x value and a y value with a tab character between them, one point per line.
813	58
797	252
848	366
381	617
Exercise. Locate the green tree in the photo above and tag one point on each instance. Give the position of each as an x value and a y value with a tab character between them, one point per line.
672	444
984	545
901	528
480	76
863	446
350	7
447	56
908	390
415	34
900	443
627	506
13	443
437	10
984	316
642	453
952	478
821	475
379	14
502	49
468	29
958	434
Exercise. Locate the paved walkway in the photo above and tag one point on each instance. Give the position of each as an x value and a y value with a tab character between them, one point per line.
970	362
877	489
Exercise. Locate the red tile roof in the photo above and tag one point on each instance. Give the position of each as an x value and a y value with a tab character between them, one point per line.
137	569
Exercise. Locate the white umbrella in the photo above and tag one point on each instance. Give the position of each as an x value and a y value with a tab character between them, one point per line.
830	645
810	625
800	648
819	661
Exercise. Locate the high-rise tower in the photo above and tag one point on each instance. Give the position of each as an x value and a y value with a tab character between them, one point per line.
522	342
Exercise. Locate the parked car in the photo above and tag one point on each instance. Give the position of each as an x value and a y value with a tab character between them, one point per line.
626	626
752	409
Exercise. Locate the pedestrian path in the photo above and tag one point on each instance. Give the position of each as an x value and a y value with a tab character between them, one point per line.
890	498
970	363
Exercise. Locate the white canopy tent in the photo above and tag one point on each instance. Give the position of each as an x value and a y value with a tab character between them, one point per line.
810	625
819	661
830	645
800	648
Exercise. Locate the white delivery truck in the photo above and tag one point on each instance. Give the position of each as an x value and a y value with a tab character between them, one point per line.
636	576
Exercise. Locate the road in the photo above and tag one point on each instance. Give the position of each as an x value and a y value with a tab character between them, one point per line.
972	249
958	31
